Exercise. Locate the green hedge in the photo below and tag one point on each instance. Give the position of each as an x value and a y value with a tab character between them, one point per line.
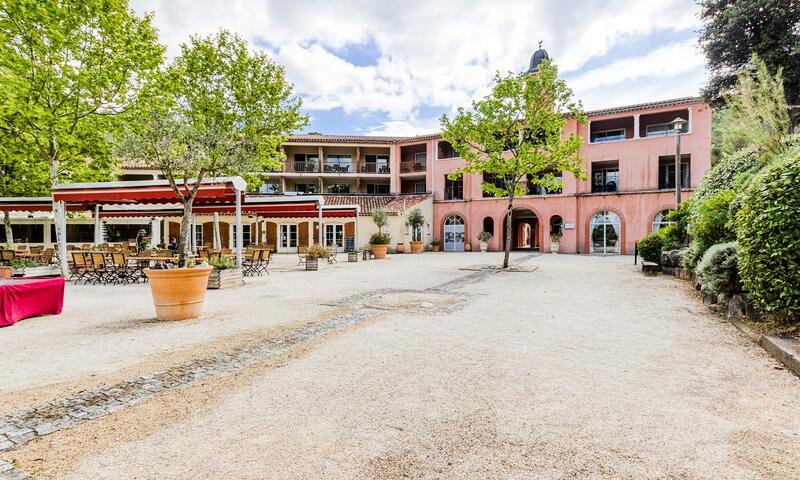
717	271
768	233
722	175
710	222
650	248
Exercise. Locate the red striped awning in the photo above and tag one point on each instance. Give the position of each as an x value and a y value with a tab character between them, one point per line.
34	205
154	194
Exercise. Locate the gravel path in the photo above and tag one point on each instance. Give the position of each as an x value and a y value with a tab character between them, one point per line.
581	368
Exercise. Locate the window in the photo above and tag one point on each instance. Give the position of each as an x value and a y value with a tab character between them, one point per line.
488	225
198	234
270	188
534	189
376	164
445	150
306	162
419	158
556	225
498	182
377	188
666	172
454	189
608	135
308	188
419	187
76	233
334	235
605	177
28	233
245	235
660	221
663	129
339	188
337	163
116	232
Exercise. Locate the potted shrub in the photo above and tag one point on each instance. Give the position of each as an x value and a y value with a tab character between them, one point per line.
313	254
483	237
400	248
224	274
436	245
555	242
30	268
380	241
380	244
416	220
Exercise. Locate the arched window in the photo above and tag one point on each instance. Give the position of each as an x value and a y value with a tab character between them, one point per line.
556	225
488	225
660	221
604	229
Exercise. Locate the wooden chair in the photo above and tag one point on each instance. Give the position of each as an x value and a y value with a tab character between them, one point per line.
37	249
22	248
103	272
263	261
78	269
301	255
7	256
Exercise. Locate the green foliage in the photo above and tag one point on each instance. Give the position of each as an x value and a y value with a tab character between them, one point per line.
223	263
717	270
24	263
670	237
756	114
650	247
768	233
415	220
380	219
484	236
723	175
318	251
693	254
681	217
735	29
516	131
380	238
710	223
69	69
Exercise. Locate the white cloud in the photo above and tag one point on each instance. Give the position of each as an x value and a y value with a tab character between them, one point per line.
436	54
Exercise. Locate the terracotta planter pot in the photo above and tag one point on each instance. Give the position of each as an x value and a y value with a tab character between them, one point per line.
379	251
401	248
416	247
178	293
467	247
435	248
5	272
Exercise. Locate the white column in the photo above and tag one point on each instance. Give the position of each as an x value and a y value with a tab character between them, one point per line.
98	234
60	217
636	126
589	131
239	236
691	126
319	221
217	238
155	230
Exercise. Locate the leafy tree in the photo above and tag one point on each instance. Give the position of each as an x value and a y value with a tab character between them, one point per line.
756	115
22	174
516	132
68	68
735	29
218	109
415	220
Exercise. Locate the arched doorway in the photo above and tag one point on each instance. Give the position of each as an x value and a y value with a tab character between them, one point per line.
604	233
454	234
488	225
524	230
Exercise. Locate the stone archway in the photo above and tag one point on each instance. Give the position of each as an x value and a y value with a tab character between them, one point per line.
524	230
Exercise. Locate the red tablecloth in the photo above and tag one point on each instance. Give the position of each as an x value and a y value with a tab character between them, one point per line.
29	297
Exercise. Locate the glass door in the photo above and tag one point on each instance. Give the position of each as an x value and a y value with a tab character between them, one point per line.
604	233
288	238
334	235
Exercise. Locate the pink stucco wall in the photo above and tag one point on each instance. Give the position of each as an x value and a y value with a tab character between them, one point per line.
637	203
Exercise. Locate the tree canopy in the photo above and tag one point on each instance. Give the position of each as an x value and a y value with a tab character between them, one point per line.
517	132
735	29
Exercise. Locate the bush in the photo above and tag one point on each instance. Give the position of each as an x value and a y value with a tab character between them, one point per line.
717	271
650	247
484	236
380	238
693	254
318	251
723	175
222	263
670	238
710	222
681	217
768	233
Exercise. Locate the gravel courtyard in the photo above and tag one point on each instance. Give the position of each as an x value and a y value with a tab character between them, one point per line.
419	366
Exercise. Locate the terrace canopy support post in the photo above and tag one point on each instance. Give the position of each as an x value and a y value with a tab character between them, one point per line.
321	227
60	217
239	233
217	241
98	234
155	230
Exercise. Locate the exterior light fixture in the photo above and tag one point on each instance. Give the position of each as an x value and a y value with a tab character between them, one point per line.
677	124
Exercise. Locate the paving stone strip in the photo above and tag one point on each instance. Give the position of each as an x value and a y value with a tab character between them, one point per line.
38	420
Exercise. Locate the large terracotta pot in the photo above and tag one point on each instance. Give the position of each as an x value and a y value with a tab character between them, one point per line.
379	251
5	272
416	247
467	247
401	248
178	293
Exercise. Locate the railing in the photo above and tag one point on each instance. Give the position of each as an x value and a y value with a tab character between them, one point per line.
412	167
373	168
306	167
337	168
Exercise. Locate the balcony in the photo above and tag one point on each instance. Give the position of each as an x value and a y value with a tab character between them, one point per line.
371	167
337	168
304	167
412	167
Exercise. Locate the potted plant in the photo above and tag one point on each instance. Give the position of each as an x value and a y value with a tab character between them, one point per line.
436	245
185	131
555	242
31	268
416	220
483	237
400	248
380	241
224	274
313	254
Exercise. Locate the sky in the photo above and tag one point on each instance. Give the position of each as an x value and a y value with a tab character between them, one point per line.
395	67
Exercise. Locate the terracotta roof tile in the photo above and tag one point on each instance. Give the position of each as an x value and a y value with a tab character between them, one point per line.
393	204
645	106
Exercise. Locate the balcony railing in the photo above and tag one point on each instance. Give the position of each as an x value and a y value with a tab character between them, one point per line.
412	167
337	168
305	167
373	168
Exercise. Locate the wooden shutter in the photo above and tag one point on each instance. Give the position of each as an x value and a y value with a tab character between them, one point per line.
350	229
224	234
302	234
272	234
316	232
208	233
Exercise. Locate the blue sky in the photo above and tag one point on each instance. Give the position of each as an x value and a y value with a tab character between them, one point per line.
395	67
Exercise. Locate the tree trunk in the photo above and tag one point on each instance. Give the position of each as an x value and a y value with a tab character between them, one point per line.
186	232
509	228
7	223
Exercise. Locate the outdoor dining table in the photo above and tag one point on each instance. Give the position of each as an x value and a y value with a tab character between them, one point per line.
30	297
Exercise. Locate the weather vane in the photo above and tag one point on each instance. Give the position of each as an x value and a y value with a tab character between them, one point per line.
540	44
